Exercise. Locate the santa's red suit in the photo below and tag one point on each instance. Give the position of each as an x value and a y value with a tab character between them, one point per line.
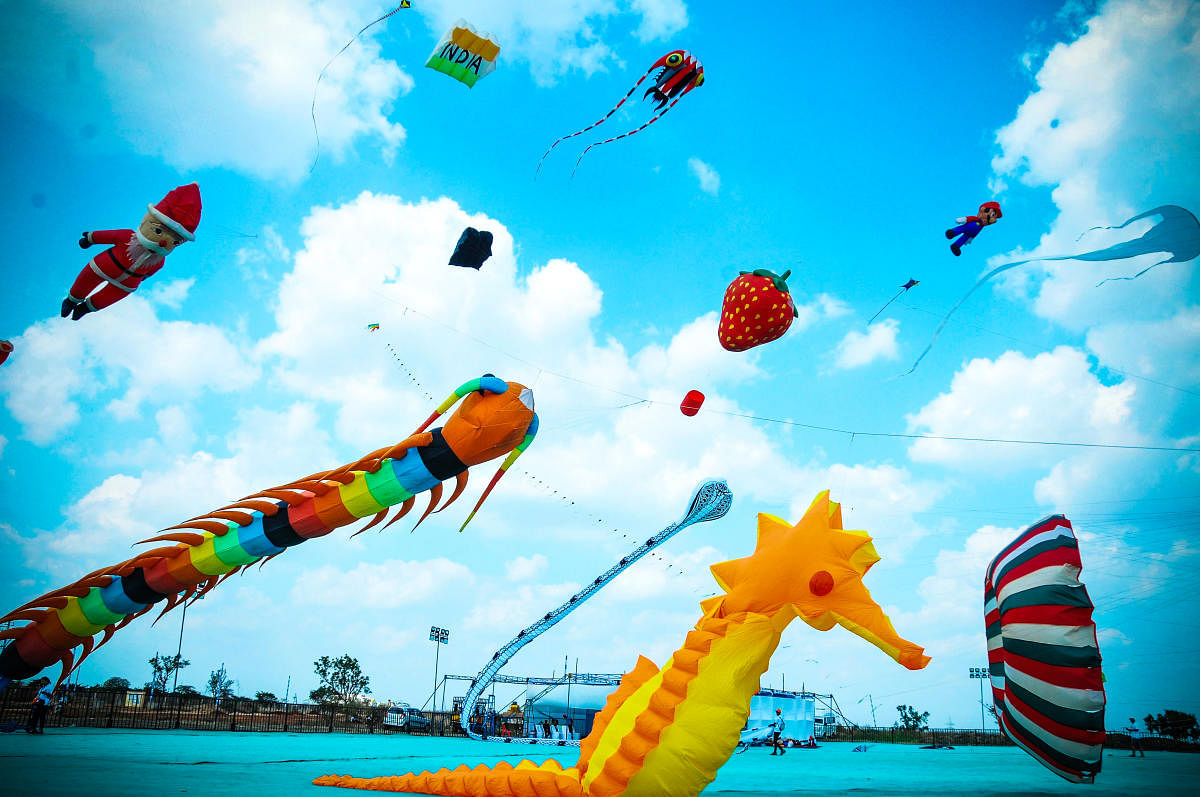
133	256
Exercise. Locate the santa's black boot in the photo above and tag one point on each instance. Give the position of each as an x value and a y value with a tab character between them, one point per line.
81	310
68	305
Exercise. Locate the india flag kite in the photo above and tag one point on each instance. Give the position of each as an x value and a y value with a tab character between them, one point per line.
1042	651
464	54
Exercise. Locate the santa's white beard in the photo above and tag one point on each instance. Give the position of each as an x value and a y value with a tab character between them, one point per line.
139	255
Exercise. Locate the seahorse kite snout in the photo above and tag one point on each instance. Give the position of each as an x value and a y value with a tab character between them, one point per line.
668	731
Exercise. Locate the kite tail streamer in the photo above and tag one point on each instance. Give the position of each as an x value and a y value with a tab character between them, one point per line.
889	301
625	135
594	124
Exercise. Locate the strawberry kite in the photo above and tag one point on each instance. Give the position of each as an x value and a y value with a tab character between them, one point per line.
757	310
133	255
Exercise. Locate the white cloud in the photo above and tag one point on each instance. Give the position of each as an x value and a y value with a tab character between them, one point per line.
384	585
1053	396
554	38
1111	127
710	180
124	348
879	343
1167	349
524	568
243	73
172	293
660	18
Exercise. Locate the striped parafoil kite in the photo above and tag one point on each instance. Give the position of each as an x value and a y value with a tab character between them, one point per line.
496	418
464	54
1042	651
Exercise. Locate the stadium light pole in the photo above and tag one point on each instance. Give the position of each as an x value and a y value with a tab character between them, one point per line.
980	674
439	636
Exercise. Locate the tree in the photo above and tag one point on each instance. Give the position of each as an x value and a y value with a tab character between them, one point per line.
116	683
342	680
266	697
1176	724
911	719
220	684
186	690
164	668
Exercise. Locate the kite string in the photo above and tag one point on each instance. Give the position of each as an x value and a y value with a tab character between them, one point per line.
317	85
802	425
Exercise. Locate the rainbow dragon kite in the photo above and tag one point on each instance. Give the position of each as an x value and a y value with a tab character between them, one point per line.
668	731
495	418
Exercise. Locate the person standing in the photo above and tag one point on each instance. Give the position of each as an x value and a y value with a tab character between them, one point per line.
776	732
41	704
1135	739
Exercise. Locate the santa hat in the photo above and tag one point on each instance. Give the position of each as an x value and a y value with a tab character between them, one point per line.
180	210
993	205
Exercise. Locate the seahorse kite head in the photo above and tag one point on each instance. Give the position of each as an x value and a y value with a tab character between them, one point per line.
668	731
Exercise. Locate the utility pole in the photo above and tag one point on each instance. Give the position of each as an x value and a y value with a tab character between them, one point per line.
179	649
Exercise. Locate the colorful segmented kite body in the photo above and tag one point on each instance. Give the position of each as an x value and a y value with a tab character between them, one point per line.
1042	651
495	418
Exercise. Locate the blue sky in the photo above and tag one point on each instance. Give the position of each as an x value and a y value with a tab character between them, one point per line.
837	145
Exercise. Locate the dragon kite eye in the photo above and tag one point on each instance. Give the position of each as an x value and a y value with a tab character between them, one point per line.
674	59
699	81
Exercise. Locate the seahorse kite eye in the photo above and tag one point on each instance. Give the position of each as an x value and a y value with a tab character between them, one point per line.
496	418
668	731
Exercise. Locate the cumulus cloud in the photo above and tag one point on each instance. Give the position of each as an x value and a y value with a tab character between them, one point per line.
524	568
709	179
554	38
125	353
1052	396
1111	128
383	585
243	73
879	343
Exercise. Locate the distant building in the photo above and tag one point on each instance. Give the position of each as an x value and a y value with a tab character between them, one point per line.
799	712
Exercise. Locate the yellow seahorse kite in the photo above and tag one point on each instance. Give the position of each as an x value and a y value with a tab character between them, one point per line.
668	731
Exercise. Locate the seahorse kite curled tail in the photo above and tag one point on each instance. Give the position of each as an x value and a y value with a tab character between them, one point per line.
668	731
495	418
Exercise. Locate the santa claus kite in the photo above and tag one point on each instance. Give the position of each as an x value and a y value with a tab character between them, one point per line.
133	255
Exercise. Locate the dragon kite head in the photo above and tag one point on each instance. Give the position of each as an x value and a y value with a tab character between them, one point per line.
680	72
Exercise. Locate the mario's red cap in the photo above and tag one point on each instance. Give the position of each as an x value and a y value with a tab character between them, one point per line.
993	205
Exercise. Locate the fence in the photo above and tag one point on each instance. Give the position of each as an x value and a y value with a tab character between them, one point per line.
965	737
121	708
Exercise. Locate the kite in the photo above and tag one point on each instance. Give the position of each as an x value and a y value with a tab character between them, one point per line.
757	309
679	73
691	403
372	327
912	283
6	348
134	255
464	54
1177	234
970	226
668	731
496	418
404	4
1042	651
473	247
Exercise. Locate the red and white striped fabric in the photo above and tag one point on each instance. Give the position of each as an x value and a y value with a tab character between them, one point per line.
1042	650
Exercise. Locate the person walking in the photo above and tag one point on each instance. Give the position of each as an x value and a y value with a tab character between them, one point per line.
1135	739
41	704
776	732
